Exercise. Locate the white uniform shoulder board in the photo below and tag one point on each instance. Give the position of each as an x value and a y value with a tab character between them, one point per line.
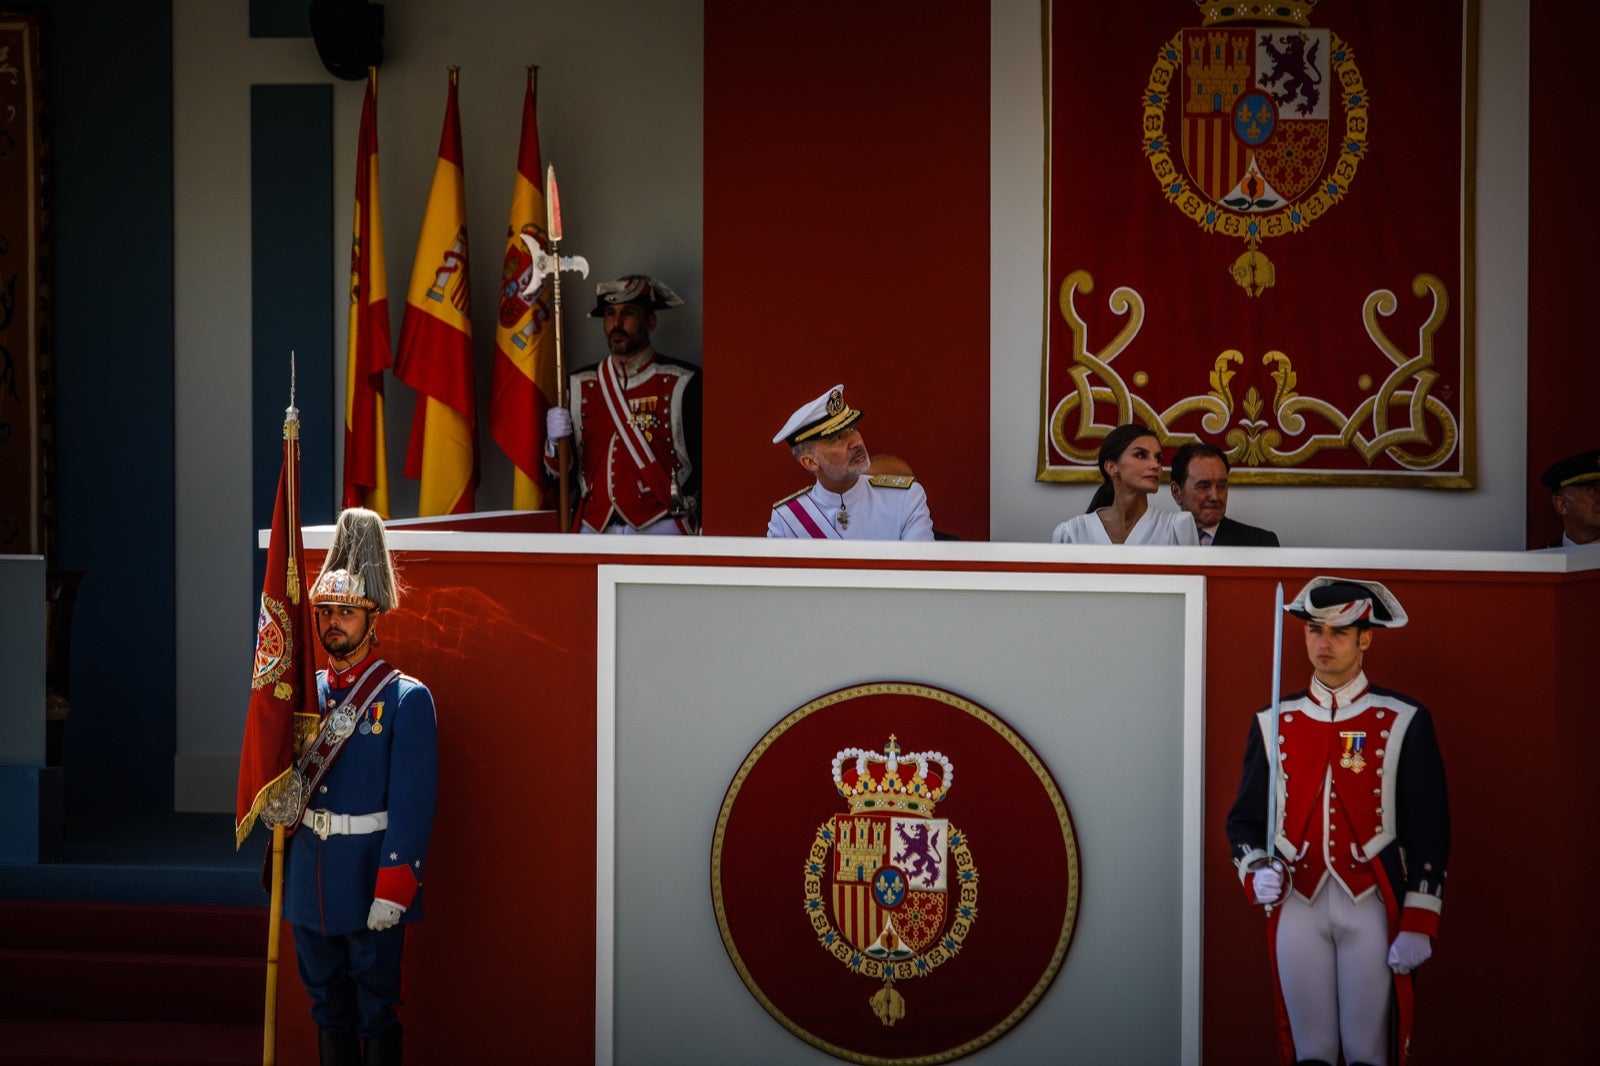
791	496
892	481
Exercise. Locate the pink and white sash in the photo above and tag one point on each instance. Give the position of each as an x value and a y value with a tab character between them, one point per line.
803	515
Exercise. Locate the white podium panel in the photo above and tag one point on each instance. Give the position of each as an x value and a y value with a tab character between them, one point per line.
1100	674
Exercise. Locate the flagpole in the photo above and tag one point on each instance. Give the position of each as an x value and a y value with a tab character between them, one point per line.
269	1026
269	1029
552	208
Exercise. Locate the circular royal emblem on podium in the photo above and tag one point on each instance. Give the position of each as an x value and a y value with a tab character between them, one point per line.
874	909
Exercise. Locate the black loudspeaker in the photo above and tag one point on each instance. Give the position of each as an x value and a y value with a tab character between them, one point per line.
349	36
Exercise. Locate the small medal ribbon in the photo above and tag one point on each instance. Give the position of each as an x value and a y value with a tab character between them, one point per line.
1352	759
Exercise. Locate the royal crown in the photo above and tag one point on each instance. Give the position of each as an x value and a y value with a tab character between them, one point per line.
1295	11
879	782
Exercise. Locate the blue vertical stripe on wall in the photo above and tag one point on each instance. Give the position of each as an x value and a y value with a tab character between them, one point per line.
291	277
109	65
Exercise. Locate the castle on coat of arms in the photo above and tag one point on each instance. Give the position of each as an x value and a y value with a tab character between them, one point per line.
1218	70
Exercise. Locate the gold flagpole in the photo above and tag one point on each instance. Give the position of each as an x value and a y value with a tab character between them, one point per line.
269	1030
269	1027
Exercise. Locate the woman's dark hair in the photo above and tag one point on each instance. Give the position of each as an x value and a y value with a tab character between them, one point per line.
1111	449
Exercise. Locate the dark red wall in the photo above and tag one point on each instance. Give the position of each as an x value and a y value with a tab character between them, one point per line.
1495	659
507	644
505	957
847	240
1563	232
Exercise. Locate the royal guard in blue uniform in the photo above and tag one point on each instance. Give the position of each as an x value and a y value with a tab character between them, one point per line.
635	416
848	501
368	778
1354	875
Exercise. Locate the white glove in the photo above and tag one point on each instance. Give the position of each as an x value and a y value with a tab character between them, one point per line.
383	915
1409	951
1268	883
557	423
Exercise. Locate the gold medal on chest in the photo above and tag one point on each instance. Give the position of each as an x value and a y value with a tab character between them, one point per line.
1351	759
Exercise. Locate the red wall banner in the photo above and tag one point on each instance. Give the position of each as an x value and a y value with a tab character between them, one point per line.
1272	250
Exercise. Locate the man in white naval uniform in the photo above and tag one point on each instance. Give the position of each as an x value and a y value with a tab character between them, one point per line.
845	503
1354	875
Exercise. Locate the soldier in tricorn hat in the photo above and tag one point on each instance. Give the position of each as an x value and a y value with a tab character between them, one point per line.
1354	874
635	418
355	862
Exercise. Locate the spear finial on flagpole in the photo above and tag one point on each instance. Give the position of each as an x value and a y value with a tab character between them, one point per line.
291	436
291	414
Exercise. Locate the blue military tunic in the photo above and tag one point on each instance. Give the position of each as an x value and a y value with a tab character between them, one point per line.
389	764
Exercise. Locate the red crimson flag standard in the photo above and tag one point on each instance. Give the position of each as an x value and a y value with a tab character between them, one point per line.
435	353
524	342
366	463
285	683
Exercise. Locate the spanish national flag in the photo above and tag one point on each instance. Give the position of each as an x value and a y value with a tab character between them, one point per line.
524	339
435	353
366	461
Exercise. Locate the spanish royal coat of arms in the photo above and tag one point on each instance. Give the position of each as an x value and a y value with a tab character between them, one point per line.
849	903
1248	101
886	865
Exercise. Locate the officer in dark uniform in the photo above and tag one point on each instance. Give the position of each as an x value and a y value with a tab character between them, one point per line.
354	871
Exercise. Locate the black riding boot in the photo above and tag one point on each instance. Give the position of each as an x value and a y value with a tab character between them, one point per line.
338	1049
383	1049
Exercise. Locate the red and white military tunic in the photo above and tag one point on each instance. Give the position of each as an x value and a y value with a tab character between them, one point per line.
1362	805
638	441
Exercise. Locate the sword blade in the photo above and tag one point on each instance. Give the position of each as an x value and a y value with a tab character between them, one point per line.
1273	767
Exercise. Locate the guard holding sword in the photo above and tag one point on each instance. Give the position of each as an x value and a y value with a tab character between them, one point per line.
1352	869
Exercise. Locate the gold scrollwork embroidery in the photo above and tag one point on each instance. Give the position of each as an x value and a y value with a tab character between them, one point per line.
1255	434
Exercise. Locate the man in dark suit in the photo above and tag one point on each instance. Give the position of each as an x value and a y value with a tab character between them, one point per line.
1200	485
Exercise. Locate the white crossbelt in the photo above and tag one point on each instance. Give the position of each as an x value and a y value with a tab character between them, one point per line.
327	824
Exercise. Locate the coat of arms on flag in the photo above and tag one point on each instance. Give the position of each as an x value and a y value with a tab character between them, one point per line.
1283	228
879	951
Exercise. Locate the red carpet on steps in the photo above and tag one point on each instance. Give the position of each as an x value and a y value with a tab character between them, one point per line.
95	982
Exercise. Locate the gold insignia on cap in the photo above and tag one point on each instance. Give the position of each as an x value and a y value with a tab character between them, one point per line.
826	415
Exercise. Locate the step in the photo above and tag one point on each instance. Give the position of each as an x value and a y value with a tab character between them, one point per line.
122	986
101	1043
134	927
